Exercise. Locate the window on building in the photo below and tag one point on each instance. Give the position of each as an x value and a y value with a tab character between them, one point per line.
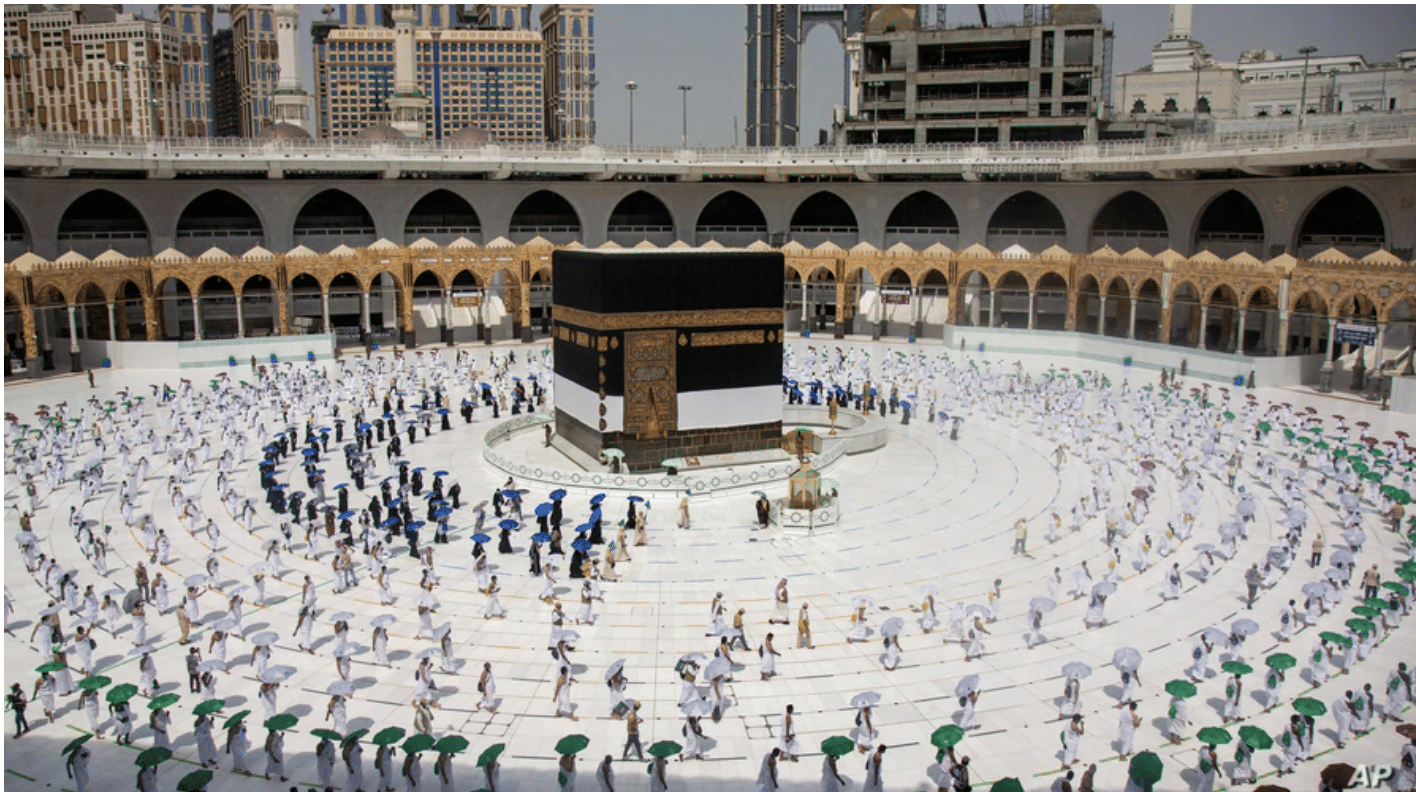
575	28
361	16
1170	106
265	22
187	26
1138	106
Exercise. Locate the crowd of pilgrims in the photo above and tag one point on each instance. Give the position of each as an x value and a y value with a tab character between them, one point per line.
1124	439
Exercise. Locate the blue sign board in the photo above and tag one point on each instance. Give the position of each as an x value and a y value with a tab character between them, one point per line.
1361	335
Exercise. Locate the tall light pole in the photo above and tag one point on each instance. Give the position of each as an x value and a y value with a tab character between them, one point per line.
685	89
1303	94
122	68
631	86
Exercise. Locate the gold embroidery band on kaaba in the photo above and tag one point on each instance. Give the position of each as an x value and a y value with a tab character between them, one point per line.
729	338
647	320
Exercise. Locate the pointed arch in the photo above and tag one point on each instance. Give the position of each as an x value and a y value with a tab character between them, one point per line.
219	218
1345	218
1130	220
442	216
731	218
824	216
1026	218
546	214
332	218
1230	224
921	219
640	216
17	233
102	219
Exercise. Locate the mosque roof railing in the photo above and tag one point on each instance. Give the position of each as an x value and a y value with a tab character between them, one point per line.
1386	141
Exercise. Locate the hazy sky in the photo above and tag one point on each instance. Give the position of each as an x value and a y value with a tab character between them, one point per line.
664	46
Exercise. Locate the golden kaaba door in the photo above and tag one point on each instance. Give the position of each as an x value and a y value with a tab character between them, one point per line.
650	383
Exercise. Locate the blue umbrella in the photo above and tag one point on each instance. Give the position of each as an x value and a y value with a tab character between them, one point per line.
439	472
486	387
557	494
389	523
271	447
906	404
325	430
595	515
583	528
543	510
429	495
419	469
634	499
341	486
541	537
583	545
279	486
873	392
395	503
481	538
403	463
510	494
387	416
442	411
509	525
415	525
386	479
309	452
596	500
319	471
364	427
349	515
443	512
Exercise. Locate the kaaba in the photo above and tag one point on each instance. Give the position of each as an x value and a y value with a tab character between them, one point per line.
668	354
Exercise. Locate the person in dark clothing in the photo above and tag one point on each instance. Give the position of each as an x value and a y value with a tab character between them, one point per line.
454	493
17	702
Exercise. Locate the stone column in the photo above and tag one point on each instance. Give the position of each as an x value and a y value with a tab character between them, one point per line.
1131	321
524	311
31	336
1032	309
1239	340
364	327
196	317
447	316
993	307
112	322
75	363
46	336
1332	331
1204	323
1101	315
324	312
240	319
1282	350
1377	355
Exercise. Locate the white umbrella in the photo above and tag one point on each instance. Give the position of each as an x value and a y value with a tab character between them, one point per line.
1041	604
1244	627
427	600
977	609
1342	557
1317	589
138	651
693	657
615	667
967	685
277	674
431	651
1216	636
1229	530
225	625
52	609
568	636
1246	507
211	666
698	708
346	650
716	668
1204	548
1353	536
868	698
265	638
259	569
1076	670
1126	659
1105	589
929	588
341	616
1350	501
860	600
193	581
232	591
442	630
1333	574
340	687
892	626
383	621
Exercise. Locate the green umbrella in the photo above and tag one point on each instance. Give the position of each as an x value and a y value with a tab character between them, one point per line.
1255	738
1397	587
1007	785
418	743
195	781
281	722
326	734
1237	668
1288	433
664	749
490	754
1374	602
1407	575
946	736
388	736
1321	445
1181	689
1373	476
1360	625
75	743
1360	467
1228	416
1366	611
164	701
574	743
1304	439
121	693
235	719
837	746
208	707
153	757
52	667
1310	707
1212	735
451	744
94	683
1146	769
1280	661
358	734
1333	637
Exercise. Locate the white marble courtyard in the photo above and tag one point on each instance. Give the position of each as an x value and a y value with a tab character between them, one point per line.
924	510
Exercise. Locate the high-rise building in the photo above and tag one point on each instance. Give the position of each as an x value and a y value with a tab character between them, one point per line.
1031	82
364	15
257	63
568	34
225	94
490	79
90	70
512	16
194	24
775	34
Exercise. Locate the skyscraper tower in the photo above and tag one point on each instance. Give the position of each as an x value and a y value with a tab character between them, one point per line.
775	34
194	24
569	35
291	102
408	101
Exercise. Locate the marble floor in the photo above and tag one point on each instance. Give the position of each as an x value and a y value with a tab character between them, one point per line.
924	510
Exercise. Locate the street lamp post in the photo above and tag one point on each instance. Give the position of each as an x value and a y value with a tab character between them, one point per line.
1303	93
122	68
631	86
685	89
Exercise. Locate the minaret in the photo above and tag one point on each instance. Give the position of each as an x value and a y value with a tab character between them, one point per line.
1179	29
407	102
291	102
